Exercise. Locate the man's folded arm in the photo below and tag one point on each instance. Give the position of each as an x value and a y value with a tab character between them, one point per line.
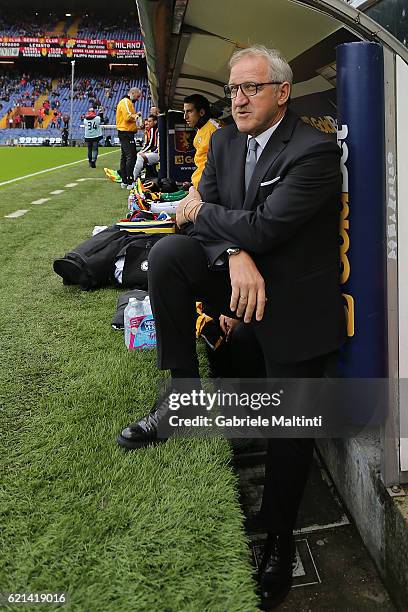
308	185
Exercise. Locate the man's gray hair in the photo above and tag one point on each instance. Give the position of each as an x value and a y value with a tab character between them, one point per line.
135	90
278	67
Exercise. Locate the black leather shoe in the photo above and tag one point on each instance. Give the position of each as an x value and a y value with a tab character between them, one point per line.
276	569
144	432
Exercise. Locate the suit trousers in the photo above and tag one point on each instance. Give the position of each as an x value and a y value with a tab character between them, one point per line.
178	277
128	156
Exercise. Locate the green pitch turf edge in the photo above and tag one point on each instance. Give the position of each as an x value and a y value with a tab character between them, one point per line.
20	161
154	530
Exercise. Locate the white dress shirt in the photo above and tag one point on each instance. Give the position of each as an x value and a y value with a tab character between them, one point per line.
262	139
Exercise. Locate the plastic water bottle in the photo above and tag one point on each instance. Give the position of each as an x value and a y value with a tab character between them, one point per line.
133	310
140	330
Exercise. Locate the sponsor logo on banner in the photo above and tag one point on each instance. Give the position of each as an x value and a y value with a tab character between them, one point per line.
326	123
391	208
9	51
182	139
183	148
31	46
342	134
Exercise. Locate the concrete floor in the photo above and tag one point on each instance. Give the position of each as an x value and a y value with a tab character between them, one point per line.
334	572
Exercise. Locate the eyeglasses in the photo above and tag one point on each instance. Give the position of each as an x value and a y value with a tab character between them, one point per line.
248	89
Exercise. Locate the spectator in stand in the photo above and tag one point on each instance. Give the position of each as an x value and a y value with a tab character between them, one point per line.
54	119
100	111
17	120
65	119
126	123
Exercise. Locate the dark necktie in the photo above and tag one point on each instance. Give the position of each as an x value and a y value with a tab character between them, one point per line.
250	161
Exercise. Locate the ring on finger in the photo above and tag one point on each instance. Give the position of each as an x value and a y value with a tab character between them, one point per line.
242	297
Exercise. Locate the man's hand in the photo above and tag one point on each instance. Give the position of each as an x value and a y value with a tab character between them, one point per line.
190	204
248	287
228	325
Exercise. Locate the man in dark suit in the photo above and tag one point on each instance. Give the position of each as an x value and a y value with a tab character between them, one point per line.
263	247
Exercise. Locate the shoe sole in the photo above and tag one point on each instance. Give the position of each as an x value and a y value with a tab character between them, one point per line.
71	272
129	445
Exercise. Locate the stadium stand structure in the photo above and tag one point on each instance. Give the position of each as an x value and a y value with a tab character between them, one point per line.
47	88
75	26
98	91
27	24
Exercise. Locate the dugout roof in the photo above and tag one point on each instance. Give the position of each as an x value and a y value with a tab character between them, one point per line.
189	42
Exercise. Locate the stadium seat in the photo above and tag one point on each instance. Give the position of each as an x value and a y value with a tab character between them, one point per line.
22	140
28	140
52	140
58	140
34	140
40	140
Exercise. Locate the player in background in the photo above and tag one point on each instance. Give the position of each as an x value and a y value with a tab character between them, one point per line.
93	135
149	154
197	115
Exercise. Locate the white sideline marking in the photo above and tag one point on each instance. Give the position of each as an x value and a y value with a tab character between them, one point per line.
91	178
71	185
40	201
14	215
57	192
79	161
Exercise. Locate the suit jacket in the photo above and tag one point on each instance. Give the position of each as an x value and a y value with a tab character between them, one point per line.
288	221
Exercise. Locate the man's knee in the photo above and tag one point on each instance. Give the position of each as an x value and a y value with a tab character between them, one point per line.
172	251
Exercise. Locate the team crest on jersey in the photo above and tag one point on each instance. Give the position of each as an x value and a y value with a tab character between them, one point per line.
144	266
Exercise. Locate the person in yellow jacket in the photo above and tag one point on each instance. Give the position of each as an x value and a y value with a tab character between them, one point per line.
127	120
197	115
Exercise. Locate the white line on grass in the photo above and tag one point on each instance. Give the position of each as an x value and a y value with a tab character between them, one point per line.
40	201
71	185
91	178
57	192
20	178
14	215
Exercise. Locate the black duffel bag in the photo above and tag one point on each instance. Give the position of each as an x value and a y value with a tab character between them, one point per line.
91	264
136	254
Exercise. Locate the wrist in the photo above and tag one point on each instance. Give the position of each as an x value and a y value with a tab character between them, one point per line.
190	209
195	211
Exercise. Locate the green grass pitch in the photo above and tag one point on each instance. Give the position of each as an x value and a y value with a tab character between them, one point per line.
155	530
20	161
